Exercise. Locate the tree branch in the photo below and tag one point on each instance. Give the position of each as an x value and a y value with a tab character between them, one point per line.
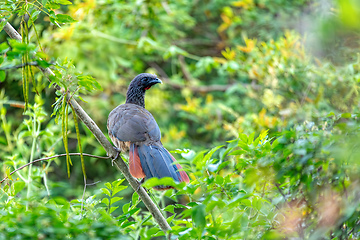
47	158
22	65
119	162
201	89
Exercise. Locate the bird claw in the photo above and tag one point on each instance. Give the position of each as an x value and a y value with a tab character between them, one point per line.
140	183
116	156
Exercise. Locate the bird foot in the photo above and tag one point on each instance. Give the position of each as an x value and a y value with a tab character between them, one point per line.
140	183
116	156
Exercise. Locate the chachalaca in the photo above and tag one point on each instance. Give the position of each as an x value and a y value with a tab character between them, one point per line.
132	127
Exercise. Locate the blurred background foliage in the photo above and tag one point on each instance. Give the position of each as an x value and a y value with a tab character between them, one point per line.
286	71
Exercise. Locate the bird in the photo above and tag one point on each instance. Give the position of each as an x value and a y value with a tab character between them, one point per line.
133	128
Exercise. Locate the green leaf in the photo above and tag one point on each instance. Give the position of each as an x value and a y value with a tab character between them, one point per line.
135	198
180	206
112	209
64	2
169	208
257	204
198	216
17	187
243	137
251	138
132	211
169	219
64	18
89	83
192	204
34	15
174	51
106	191
115	199
2	25
346	115
246	202
219	180
118	189
263	134
60	200
108	185
127	224
152	231
331	114
237	152
126	207
166	181
105	201
2	76
212	151
52	5
4	46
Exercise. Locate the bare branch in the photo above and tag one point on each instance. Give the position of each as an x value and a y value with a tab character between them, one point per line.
47	158
22	65
184	69
119	162
11	31
201	89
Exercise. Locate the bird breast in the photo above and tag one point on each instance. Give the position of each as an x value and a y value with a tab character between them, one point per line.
132	123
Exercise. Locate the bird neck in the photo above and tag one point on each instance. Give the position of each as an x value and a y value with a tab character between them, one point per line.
136	96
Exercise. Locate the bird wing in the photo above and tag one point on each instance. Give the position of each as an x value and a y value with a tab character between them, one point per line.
132	123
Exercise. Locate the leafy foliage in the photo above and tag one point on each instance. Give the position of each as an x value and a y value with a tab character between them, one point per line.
270	87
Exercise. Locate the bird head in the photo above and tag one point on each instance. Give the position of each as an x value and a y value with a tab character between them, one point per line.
144	81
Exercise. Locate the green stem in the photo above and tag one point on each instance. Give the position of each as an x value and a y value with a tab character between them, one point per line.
19	174
7	134
32	156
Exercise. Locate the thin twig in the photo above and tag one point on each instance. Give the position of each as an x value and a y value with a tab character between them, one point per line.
282	193
201	89
47	158
187	74
23	65
83	196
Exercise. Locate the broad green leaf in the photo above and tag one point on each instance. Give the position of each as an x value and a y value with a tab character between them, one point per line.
106	191
64	18
115	199
171	218
198	216
135	198
118	189
108	185
17	187
60	200
169	208
219	180
64	2
152	231
346	115
105	201
112	209
126	207
166	181
4	46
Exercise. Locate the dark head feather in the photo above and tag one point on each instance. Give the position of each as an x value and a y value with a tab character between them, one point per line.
136	91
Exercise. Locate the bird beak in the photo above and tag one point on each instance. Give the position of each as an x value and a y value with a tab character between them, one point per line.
154	81
157	81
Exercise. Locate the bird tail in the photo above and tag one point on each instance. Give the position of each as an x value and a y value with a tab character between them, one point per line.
155	161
